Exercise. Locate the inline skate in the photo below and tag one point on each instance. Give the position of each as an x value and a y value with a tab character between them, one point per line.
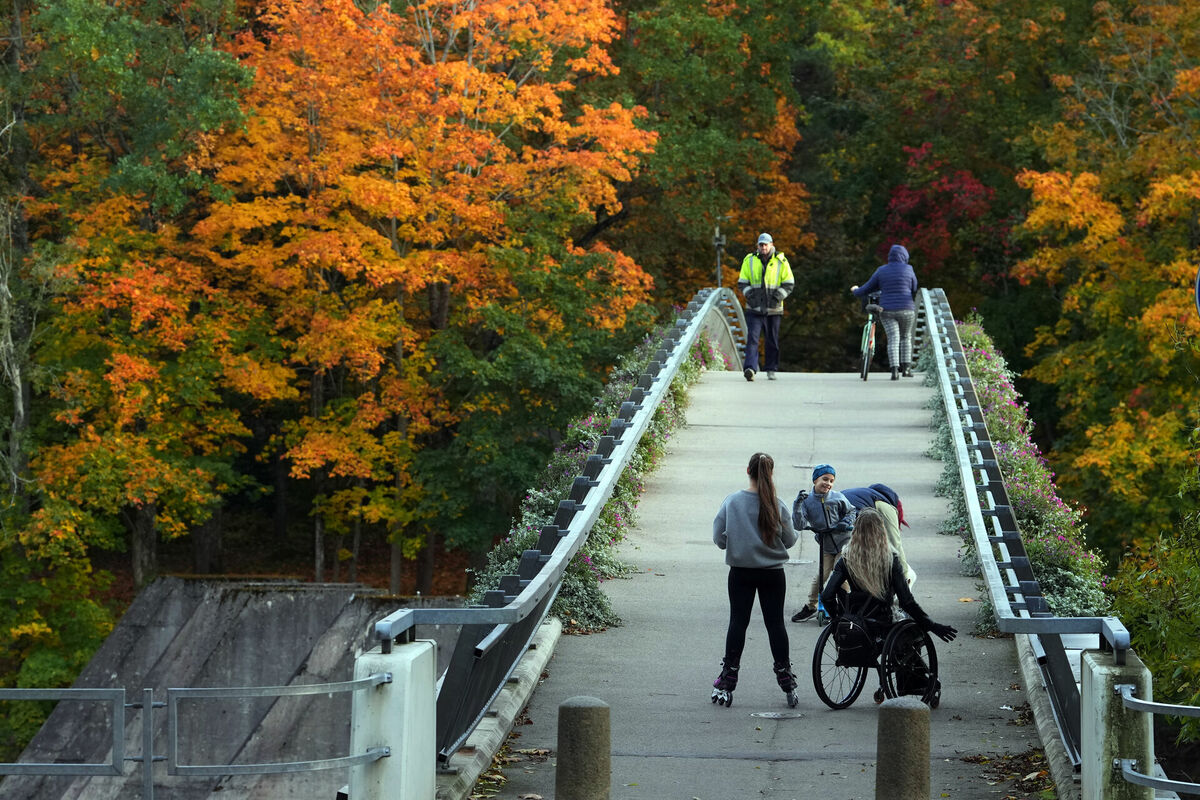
787	682
724	685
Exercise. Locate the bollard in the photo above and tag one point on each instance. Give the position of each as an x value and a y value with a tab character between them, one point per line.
400	715
584	770
902	750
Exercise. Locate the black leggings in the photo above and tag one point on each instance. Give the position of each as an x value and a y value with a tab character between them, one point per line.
769	584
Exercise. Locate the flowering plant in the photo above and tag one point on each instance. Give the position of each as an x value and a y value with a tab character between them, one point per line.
1070	575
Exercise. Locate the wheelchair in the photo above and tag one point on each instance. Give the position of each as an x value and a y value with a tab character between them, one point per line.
904	658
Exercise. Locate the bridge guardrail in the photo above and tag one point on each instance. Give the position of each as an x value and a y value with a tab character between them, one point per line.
1012	587
116	763
496	634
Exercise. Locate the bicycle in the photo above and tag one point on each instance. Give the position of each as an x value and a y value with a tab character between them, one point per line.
873	310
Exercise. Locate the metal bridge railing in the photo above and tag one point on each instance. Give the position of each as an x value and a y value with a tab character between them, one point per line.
117	706
1013	589
496	634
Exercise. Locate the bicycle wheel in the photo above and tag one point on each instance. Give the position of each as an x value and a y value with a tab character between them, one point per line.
868	348
910	664
838	686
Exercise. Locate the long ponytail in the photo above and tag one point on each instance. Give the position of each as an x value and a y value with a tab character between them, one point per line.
762	472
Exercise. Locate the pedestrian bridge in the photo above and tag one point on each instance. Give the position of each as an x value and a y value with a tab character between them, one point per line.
654	672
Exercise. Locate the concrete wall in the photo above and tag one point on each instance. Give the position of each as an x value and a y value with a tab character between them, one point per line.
206	633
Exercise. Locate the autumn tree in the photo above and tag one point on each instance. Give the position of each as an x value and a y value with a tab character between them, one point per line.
716	80
387	154
918	118
1117	237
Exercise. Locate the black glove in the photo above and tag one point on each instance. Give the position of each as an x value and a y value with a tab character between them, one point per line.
943	632
777	294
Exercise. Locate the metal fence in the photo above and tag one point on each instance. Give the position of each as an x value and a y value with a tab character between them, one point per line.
1013	589
115	766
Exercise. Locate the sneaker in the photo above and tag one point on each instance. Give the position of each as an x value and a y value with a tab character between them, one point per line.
770	375
803	613
749	373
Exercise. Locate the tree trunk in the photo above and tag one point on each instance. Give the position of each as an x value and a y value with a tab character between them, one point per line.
318	548
280	468
336	569
355	543
396	578
207	552
317	400
426	562
144	543
17	300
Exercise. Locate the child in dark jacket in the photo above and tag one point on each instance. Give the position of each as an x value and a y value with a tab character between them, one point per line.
830	516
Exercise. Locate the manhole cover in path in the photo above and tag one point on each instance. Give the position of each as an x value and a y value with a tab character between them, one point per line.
778	714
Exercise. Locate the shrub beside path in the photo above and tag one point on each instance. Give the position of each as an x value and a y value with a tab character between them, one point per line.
656	670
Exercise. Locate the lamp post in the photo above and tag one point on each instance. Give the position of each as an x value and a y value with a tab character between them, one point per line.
719	243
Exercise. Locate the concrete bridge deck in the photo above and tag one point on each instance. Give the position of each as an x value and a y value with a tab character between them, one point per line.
656	670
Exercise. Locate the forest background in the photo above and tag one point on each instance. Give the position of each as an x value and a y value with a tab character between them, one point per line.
317	284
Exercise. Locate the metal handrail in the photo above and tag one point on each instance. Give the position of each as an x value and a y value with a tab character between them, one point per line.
1012	615
114	768
613	453
1128	690
1128	766
1016	596
116	697
174	767
1014	592
1129	772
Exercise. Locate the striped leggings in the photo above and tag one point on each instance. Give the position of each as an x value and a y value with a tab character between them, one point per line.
898	326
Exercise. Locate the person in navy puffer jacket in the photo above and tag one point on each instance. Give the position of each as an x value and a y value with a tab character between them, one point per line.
897	286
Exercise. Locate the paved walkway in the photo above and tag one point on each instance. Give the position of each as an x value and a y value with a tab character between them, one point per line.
656	670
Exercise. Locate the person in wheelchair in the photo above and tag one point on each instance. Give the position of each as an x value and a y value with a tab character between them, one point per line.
871	568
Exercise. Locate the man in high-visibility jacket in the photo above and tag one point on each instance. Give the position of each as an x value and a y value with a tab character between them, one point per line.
766	279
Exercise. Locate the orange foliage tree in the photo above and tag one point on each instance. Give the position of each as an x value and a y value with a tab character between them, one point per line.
386	156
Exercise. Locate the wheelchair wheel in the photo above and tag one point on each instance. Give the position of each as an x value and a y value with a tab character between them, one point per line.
837	686
909	664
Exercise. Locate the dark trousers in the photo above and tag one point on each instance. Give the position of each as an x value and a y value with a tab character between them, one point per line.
770	586
768	326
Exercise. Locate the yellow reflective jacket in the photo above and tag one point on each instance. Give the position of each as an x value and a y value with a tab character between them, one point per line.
766	285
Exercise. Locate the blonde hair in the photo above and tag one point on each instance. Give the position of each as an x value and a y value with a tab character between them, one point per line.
868	554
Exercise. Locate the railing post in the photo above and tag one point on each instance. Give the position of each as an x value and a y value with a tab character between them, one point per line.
1109	731
398	715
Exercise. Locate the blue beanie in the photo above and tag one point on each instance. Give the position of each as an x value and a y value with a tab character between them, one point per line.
823	469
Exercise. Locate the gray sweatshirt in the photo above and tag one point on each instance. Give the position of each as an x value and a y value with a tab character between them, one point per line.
735	530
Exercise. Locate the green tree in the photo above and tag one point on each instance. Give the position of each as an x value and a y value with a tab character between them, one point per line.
716	81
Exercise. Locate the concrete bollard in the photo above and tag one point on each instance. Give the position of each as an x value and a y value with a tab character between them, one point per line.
902	750
1109	731
584	770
